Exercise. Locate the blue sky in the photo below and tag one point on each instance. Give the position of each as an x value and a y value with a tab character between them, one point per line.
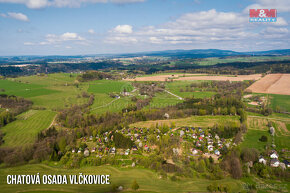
72	27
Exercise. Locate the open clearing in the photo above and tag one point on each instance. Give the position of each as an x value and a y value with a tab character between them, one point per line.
194	121
24	130
176	77
272	84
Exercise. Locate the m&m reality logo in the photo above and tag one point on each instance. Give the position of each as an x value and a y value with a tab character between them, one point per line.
263	15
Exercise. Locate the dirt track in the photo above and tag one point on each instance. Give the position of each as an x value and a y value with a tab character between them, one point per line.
197	77
272	84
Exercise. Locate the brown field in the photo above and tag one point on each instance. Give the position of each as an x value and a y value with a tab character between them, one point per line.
272	84
176	77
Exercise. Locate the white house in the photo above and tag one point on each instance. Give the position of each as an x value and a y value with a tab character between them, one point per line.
262	160
275	163
274	155
194	152
217	152
210	148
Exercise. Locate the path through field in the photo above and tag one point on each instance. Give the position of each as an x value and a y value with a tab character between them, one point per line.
180	98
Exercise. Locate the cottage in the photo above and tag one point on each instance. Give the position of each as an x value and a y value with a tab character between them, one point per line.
86	152
166	116
210	148
181	133
287	163
274	163
127	152
194	151
274	155
217	152
272	131
262	160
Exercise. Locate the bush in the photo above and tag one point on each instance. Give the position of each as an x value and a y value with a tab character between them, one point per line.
135	185
264	138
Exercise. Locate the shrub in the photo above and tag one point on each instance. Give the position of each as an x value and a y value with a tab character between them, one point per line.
135	185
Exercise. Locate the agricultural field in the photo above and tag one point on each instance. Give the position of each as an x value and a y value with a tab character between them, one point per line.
26	127
175	87
53	91
215	60
272	84
258	126
109	86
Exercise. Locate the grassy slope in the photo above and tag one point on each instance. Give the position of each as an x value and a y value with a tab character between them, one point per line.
283	101
25	128
195	121
148	180
175	87
61	96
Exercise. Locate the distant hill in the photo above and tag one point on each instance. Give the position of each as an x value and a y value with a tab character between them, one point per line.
204	53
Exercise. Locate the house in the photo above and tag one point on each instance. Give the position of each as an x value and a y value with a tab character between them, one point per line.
86	152
274	163
194	151
113	150
127	152
194	136
287	164
217	137
134	148
274	155
210	148
181	133
166	116
94	149
73	151
272	131
217	152
262	160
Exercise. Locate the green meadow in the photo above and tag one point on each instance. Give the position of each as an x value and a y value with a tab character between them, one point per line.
24	129
148	180
175	87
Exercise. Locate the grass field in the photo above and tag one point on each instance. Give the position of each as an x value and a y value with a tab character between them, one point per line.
281	101
108	86
25	128
214	60
175	87
258	127
251	139
194	121
148	180
23	89
54	91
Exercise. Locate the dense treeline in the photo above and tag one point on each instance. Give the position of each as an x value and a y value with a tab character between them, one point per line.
79	116
95	75
12	106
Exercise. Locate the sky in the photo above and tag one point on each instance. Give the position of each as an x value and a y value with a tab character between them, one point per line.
80	27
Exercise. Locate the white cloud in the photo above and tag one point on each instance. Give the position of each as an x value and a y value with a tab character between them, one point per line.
37	4
123	29
59	39
224	30
29	43
91	31
17	16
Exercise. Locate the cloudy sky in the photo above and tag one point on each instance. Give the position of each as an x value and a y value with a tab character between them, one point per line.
71	27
